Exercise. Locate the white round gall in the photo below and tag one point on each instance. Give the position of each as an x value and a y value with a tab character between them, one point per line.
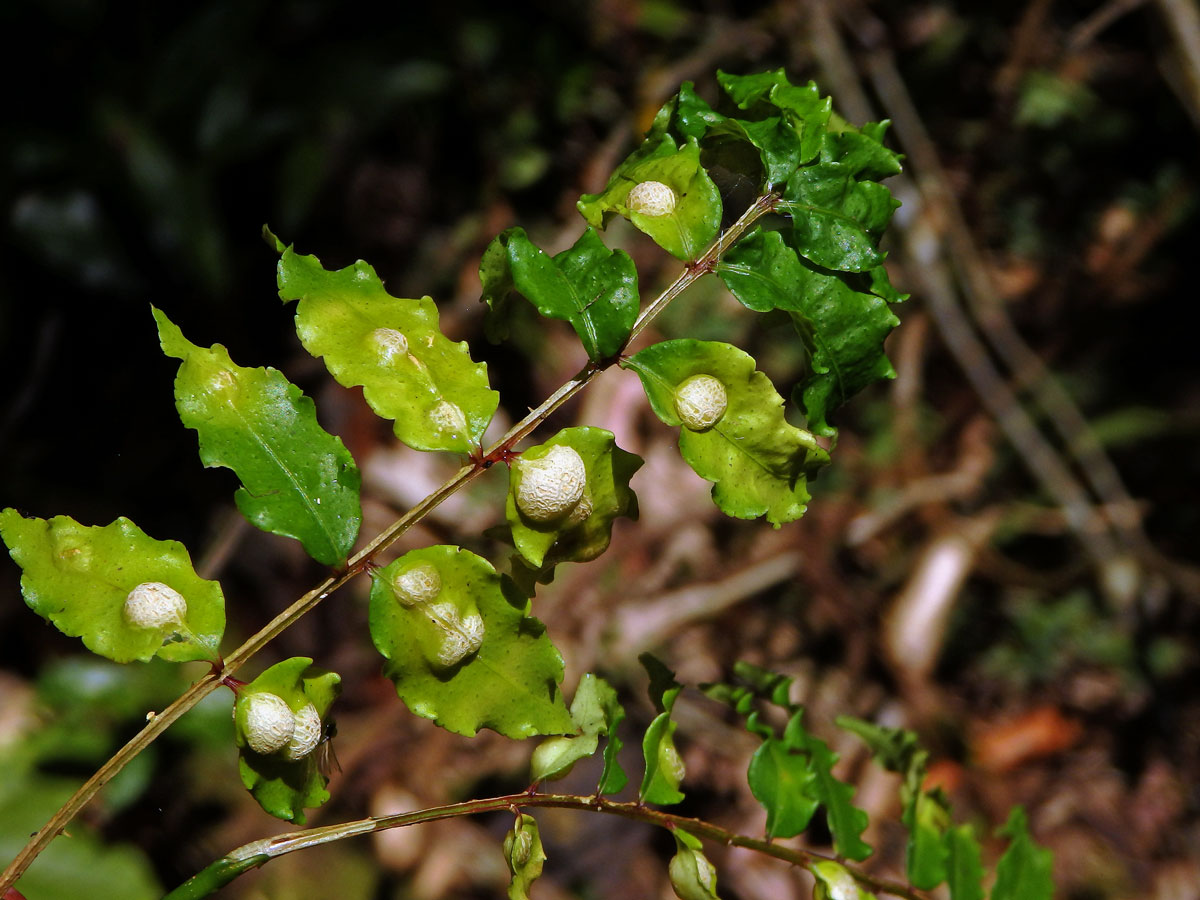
701	401
651	198
269	722
306	733
389	343
417	585
552	486
153	604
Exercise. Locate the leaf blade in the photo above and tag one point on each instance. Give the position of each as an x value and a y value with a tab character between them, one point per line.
78	577
510	684
297	479
436	395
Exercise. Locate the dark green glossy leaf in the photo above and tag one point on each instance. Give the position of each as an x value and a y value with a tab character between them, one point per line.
591	287
834	882
686	230
595	711
842	326
776	140
79	578
759	463
465	652
409	372
583	532
862	151
524	855
801	106
286	787
298	480
1025	871
964	871
836	219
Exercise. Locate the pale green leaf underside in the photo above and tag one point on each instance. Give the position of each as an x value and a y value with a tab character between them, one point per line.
437	396
285	788
609	468
595	711
298	480
758	462
509	685
78	578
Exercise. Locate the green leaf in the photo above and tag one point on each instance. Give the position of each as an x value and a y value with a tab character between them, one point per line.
842	321
298	480
664	767
1025	871
590	286
686	231
783	781
834	882
286	787
836	219
409	372
846	821
524	855
692	876
759	463
801	107
594	710
964	871
927	854
79	577
612	777
862	151
777	142
466	653
583	532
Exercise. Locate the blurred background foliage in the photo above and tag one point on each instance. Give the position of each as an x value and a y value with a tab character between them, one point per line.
939	581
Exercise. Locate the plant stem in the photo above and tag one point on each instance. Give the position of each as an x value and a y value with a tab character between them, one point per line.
258	853
157	724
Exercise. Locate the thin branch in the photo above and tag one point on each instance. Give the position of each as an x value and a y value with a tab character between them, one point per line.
158	723
258	853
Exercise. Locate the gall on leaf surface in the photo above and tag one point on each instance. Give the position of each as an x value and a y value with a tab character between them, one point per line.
596	713
664	767
686	231
842	319
524	855
575	537
509	683
758	462
78	577
589	286
834	882
297	479
692	876
409	371
286	787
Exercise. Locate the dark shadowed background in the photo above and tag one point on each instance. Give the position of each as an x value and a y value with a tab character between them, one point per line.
1003	555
